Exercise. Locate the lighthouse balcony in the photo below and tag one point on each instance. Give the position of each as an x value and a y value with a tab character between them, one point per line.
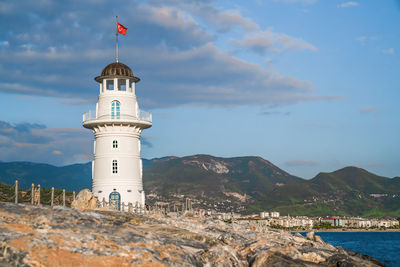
143	117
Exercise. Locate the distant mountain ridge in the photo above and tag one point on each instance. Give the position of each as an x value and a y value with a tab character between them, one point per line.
70	177
239	184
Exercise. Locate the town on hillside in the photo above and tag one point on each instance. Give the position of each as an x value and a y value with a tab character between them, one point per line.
274	220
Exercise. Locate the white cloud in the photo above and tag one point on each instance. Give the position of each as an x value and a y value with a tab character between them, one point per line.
57	152
4	44
297	1
272	42
217	18
226	19
169	45
300	162
348	4
368	110
362	39
389	51
35	142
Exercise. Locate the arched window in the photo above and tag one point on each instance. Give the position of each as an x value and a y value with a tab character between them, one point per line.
115	110
115	144
114	166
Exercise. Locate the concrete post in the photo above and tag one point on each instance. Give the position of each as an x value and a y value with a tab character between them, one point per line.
38	194
123	206
64	197
73	195
52	196
130	207
104	202
16	191
32	194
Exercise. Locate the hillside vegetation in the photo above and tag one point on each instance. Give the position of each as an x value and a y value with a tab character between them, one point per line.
240	184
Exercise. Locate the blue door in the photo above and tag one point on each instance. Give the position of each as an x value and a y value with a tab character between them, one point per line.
115	200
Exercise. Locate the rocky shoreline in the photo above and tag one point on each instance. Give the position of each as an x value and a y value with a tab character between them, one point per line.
344	230
59	236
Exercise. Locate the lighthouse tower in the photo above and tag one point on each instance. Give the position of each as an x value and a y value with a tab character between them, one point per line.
117	124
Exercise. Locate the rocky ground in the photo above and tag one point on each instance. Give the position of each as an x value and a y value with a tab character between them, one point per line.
45	236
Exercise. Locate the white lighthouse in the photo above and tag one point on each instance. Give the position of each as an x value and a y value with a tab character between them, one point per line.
117	124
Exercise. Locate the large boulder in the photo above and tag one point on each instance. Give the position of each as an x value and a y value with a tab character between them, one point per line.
85	200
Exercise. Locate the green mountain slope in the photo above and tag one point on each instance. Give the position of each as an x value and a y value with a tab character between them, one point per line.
71	177
199	174
348	191
241	184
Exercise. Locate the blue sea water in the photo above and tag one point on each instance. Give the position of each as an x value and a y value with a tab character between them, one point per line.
383	246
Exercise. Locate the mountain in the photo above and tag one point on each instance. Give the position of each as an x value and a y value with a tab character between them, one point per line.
220	183
240	184
70	177
348	191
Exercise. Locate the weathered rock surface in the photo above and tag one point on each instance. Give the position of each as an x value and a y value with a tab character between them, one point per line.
85	200
45	236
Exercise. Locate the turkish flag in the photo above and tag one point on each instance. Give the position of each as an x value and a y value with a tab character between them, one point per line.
121	29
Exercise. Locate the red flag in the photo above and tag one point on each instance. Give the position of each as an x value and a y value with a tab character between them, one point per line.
121	28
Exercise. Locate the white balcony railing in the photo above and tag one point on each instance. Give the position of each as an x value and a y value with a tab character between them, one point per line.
143	116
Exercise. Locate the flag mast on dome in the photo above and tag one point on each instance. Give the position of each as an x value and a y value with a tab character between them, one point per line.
120	29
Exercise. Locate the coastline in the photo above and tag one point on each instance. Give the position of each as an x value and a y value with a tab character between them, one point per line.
345	230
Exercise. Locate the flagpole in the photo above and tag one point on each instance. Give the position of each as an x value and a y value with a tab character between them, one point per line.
116	35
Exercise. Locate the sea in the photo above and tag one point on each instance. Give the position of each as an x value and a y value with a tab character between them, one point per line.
383	246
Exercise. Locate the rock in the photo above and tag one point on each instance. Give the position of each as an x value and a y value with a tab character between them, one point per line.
268	258
85	200
297	234
310	236
60	236
313	257
318	239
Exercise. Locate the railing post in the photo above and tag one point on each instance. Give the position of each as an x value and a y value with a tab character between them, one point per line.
16	191
123	206
73	195
38	194
32	194
52	196
130	207
64	197
104	202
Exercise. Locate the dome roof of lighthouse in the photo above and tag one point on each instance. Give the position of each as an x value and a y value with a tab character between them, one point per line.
116	70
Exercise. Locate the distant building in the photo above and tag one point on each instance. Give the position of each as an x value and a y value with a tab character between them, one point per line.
275	214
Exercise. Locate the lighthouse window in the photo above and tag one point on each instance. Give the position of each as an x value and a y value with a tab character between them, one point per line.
110	84
121	85
115	110
115	144
114	166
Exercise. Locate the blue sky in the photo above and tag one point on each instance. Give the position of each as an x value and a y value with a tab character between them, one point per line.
311	85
